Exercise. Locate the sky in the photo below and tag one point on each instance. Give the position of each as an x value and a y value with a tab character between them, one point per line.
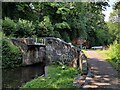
109	10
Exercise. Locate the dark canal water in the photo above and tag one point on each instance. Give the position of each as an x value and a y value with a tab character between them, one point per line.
14	78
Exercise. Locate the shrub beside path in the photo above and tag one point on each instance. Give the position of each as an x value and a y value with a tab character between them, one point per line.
104	75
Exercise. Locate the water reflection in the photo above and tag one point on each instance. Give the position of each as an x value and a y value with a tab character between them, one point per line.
14	78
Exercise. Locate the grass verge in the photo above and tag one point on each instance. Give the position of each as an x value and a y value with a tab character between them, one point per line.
115	65
104	54
57	78
84	51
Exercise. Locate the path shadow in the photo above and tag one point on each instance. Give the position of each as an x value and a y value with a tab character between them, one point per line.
105	76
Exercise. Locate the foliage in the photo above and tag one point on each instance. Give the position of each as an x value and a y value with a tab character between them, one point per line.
65	36
57	34
67	20
114	55
63	25
45	27
1	34
114	30
114	24
114	52
18	10
24	28
11	56
103	37
8	26
21	28
57	78
117	5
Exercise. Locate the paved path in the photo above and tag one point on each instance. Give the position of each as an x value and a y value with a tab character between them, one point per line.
104	75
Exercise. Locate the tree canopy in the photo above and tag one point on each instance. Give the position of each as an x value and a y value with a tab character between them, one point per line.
114	22
66	20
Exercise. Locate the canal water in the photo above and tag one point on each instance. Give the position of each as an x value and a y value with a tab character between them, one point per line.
15	78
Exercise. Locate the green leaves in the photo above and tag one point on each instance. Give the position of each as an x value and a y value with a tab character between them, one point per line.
20	28
11	56
73	19
114	52
113	24
8	26
46	28
63	11
63	25
24	27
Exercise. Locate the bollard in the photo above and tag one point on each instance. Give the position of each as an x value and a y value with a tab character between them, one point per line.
46	71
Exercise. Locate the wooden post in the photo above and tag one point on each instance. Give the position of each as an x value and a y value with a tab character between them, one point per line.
80	62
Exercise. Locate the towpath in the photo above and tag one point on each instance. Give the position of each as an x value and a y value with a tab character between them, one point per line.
105	76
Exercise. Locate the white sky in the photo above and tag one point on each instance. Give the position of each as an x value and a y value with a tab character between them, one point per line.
109	10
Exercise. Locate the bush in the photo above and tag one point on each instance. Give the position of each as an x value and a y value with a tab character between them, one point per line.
65	36
114	51
20	28
45	27
24	28
8	26
114	55
11	56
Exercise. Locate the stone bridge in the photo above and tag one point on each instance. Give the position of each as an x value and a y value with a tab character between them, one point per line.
32	52
47	50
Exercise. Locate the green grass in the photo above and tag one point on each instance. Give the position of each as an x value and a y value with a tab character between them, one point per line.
103	53
57	78
84	51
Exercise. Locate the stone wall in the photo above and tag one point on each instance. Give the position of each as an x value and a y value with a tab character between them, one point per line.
31	52
61	52
55	50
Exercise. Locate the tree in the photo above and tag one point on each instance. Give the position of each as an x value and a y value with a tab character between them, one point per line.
114	23
45	27
66	20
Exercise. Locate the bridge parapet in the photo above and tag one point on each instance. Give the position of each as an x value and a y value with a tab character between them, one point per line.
31	52
47	50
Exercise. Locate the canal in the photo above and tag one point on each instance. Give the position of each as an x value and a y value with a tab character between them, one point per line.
15	78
